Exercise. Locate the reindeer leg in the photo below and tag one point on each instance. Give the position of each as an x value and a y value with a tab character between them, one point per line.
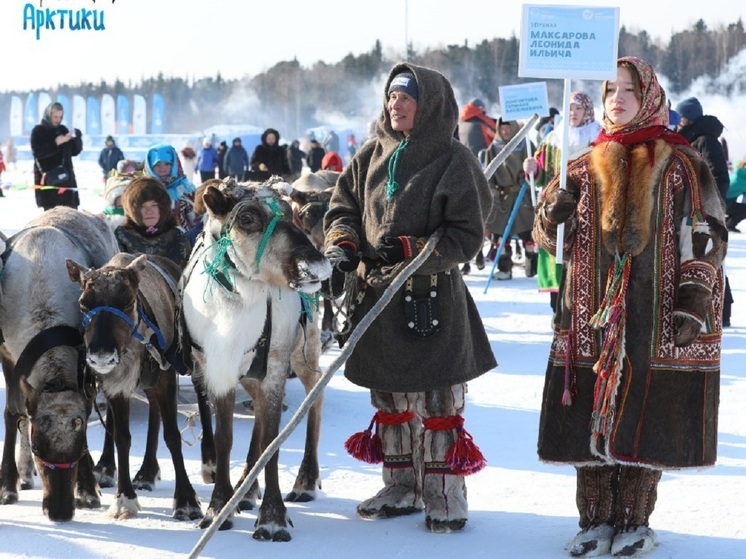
249	499
125	503
88	495
272	520
8	467
149	473
25	460
305	359
208	438
186	503
105	470
223	491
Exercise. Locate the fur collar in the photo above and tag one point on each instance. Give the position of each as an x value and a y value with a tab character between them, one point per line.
627	197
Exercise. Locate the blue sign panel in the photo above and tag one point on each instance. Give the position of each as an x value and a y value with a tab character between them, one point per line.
523	100
569	42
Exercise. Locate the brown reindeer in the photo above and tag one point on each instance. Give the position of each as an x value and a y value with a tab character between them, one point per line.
309	198
129	308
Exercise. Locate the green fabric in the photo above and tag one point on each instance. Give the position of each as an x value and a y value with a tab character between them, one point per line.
548	272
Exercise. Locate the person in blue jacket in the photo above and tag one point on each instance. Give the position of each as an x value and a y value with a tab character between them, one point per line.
207	160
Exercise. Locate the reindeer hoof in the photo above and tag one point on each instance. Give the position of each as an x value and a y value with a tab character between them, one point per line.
246	504
105	475
300	497
87	502
264	534
208	473
189	512
209	518
124	508
8	497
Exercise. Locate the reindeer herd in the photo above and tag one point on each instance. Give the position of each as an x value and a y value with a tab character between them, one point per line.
78	317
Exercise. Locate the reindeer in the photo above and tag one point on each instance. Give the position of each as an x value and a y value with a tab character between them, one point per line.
128	328
43	361
244	293
310	196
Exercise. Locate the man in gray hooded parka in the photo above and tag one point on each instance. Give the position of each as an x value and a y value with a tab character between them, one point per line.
412	179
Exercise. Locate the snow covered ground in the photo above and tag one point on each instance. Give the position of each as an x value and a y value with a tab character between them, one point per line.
519	507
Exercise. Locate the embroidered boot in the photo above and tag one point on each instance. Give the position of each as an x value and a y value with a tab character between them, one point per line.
636	496
444	492
596	488
399	430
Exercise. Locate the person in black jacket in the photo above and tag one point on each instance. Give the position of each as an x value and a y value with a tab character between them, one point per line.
315	155
52	144
703	131
296	156
222	149
269	157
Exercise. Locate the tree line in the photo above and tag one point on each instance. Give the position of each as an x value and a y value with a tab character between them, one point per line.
348	93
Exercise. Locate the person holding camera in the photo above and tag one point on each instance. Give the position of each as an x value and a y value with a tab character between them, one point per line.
53	147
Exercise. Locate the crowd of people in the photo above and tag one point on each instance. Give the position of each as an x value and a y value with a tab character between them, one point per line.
645	184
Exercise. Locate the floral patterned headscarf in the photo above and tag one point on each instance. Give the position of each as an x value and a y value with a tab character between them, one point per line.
580	98
651	121
653	106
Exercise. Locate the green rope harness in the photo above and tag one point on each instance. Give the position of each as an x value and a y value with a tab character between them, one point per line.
219	268
277	215
309	303
392	186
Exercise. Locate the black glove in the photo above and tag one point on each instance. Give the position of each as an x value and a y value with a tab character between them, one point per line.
559	205
343	256
395	249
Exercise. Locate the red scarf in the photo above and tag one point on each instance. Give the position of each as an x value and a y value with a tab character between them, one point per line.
641	136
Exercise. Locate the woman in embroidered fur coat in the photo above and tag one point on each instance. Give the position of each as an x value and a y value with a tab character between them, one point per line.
410	180
633	376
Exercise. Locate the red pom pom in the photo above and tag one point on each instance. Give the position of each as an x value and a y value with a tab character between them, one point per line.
464	457
365	446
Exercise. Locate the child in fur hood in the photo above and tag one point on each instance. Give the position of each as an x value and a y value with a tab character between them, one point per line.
149	225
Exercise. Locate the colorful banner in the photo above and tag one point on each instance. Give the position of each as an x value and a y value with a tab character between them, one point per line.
16	116
123	115
93	116
108	115
30	114
157	124
79	118
42	104
139	115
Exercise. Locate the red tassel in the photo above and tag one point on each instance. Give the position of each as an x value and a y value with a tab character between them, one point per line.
464	457
365	446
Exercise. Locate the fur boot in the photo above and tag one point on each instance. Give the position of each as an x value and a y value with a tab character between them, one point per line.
444	493
636	497
595	498
402	462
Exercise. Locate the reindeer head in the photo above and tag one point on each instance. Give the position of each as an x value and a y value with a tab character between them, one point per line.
57	421
253	237
109	306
